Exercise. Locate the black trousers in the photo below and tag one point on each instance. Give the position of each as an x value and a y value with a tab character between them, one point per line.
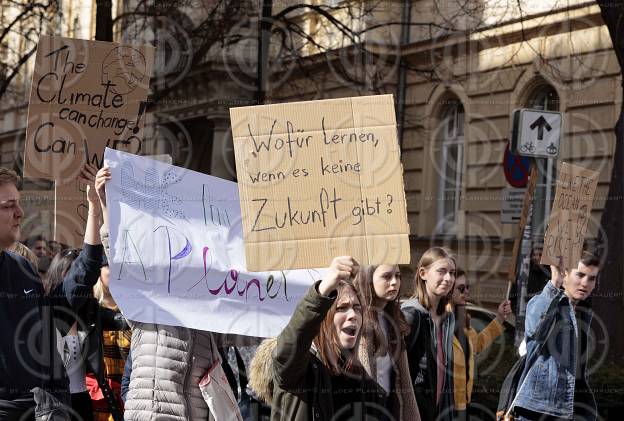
82	407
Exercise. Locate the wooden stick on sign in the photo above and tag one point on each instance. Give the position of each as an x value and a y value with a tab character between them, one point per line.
528	198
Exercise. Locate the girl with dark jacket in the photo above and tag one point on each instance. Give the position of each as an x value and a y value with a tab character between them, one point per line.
430	342
382	350
85	265
316	374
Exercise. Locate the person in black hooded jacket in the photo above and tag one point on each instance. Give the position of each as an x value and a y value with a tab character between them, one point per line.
30	358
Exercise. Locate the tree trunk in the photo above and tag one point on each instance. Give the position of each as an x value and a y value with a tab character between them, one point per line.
104	20
608	298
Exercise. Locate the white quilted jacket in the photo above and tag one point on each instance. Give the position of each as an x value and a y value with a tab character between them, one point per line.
167	364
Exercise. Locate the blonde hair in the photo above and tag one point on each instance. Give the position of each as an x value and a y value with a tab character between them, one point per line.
100	291
420	289
8	176
22	250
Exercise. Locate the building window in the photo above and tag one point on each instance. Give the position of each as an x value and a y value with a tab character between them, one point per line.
543	98
451	158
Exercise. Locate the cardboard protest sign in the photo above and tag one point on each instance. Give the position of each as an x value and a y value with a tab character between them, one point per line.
177	253
70	212
320	179
570	213
85	95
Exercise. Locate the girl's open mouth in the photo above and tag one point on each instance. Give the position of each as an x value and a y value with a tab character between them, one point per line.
350	330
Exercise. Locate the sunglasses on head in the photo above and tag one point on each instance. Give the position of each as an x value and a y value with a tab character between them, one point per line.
463	288
70	253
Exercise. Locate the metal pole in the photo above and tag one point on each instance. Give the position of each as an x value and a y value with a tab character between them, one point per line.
264	39
401	87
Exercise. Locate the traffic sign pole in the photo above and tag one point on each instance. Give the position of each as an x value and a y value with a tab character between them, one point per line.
522	252
534	133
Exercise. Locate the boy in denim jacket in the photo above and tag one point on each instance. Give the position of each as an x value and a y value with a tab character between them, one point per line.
555	386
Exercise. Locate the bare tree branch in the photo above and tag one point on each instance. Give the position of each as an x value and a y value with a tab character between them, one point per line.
15	70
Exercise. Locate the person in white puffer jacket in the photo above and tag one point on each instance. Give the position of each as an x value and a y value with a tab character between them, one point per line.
168	362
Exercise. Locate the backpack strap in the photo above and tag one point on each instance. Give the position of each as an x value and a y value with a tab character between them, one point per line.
534	355
227	369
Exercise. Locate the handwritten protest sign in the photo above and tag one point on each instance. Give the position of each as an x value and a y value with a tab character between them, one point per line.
570	213
319	179
177	253
85	95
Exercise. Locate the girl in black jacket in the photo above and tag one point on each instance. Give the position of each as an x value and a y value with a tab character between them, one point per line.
382	349
83	266
430	342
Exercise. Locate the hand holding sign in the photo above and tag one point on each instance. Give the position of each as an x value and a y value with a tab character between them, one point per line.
87	175
101	178
558	272
342	268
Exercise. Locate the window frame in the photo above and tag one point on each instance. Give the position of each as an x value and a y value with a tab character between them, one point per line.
451	133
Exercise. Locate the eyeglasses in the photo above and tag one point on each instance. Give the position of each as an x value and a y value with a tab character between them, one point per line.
463	288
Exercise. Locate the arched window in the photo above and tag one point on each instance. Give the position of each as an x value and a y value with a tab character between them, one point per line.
451	158
544	97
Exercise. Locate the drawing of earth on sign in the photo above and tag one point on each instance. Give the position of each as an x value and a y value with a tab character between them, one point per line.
151	195
125	68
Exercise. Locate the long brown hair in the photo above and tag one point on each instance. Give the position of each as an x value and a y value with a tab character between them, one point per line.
58	269
337	360
370	323
420	289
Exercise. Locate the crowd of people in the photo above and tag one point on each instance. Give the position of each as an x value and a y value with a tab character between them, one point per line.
353	349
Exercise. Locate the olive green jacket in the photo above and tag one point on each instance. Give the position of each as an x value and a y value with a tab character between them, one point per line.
302	385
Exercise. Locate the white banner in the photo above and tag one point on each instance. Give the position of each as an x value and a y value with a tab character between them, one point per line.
178	257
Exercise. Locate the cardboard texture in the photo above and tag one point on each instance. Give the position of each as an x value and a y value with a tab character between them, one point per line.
70	212
320	179
85	95
570	213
